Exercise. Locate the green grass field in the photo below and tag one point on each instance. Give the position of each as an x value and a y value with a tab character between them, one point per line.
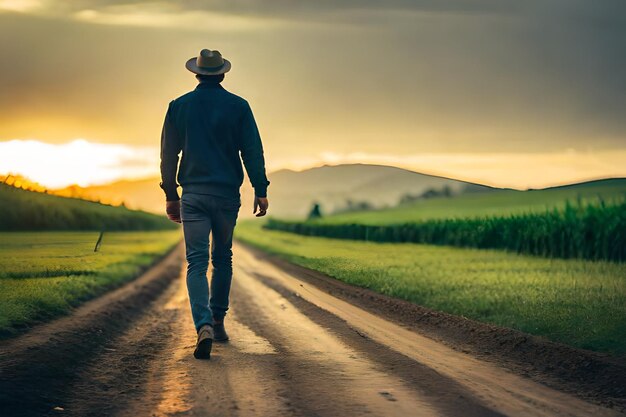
580	303
45	274
494	203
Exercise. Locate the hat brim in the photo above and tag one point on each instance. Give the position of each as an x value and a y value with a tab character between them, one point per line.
191	66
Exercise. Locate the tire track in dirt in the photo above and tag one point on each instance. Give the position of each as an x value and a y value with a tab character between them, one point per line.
444	394
327	376
150	370
497	388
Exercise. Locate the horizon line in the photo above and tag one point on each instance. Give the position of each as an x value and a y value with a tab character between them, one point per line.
330	165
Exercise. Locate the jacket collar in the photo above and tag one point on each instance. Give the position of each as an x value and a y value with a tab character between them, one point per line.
207	85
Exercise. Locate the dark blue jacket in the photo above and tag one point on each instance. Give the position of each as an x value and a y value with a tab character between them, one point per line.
211	127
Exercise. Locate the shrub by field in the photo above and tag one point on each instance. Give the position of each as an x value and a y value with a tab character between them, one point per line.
577	302
43	275
587	231
28	210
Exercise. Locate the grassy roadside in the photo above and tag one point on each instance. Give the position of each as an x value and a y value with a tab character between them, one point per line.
43	275
580	303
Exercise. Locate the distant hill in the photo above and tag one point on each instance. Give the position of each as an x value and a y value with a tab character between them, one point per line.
293	192
143	194
30	210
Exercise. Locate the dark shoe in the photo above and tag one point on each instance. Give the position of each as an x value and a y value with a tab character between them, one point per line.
219	332
205	342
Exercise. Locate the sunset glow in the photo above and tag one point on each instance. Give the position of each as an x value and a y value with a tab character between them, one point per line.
87	163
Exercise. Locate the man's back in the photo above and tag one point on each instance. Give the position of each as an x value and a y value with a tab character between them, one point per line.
211	126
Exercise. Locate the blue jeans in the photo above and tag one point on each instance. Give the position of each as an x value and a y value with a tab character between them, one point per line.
203	215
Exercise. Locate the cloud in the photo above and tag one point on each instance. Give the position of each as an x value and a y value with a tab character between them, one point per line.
314	10
169	15
302	9
21	6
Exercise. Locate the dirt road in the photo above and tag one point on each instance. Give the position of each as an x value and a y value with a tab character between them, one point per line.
295	350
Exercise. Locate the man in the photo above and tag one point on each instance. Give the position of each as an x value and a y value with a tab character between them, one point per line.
212	127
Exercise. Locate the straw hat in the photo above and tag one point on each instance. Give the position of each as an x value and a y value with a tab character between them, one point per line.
208	63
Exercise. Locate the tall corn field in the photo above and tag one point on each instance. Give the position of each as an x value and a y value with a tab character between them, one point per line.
595	231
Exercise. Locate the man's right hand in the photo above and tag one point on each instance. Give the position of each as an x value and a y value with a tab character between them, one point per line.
261	204
172	208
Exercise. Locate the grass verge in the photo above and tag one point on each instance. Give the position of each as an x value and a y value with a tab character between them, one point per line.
43	275
576	302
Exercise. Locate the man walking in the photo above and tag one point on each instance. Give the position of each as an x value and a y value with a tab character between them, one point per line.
212	127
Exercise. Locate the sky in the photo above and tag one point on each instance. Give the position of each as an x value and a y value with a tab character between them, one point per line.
506	93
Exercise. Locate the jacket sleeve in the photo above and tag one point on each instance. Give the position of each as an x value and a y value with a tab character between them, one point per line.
170	148
252	153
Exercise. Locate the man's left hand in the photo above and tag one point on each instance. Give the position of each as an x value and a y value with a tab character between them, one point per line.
172	208
261	204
